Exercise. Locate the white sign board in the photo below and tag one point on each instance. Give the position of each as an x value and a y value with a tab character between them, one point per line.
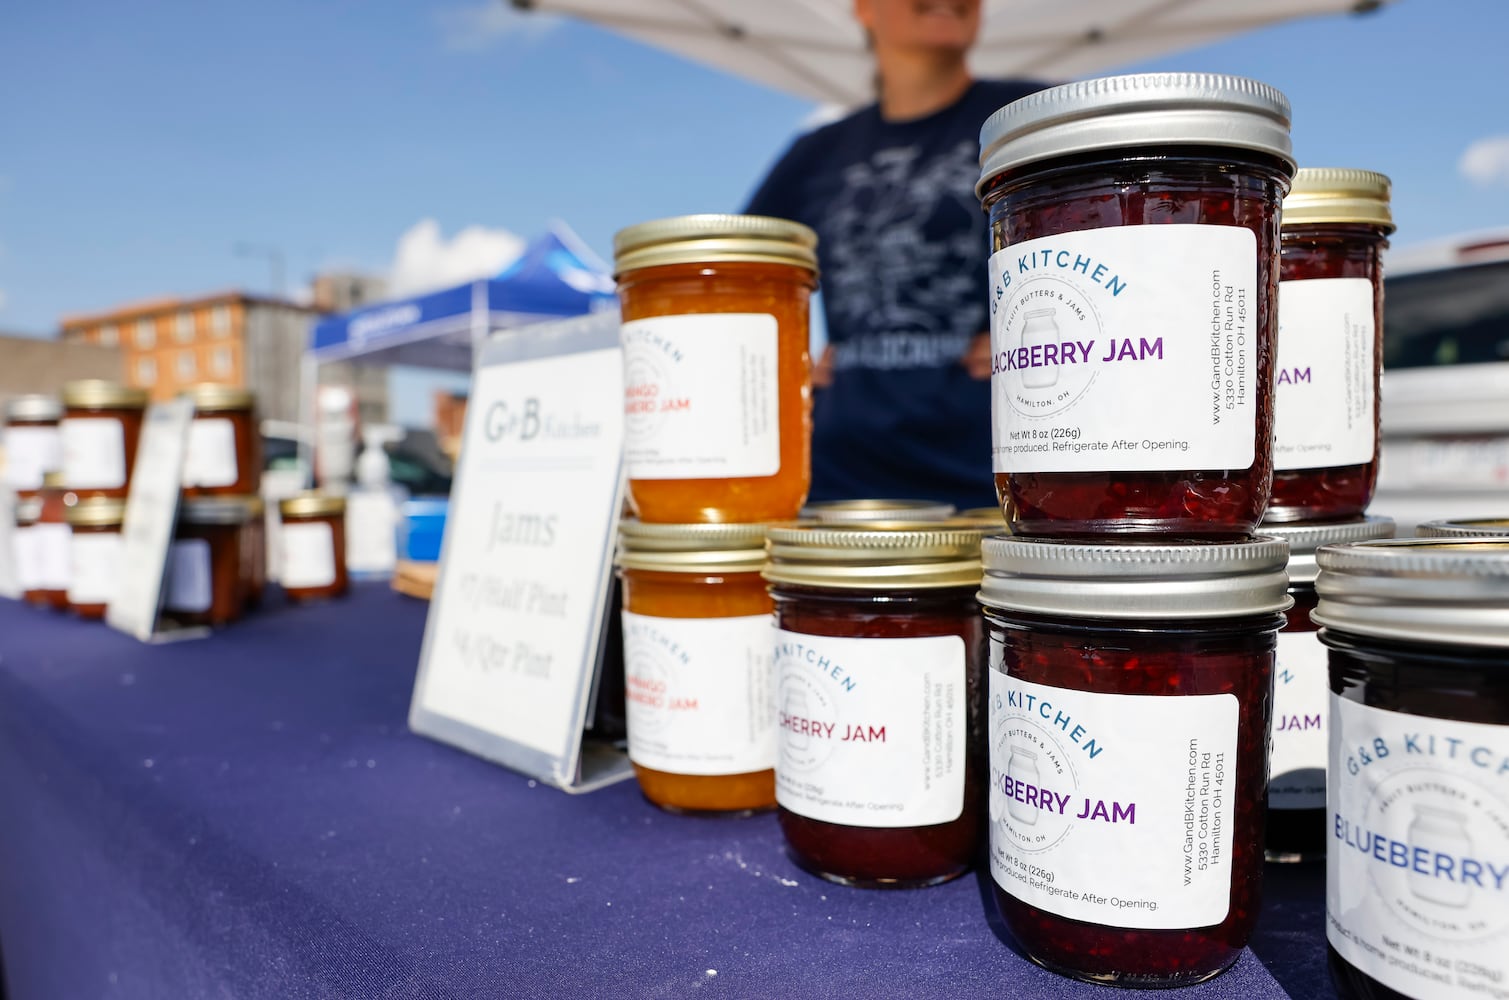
514	641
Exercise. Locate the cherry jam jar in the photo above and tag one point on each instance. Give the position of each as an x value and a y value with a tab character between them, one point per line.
1133	297
1417	868
1330	345
878	652
1128	709
1301	697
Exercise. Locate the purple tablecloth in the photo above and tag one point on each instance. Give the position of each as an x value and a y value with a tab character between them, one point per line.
248	816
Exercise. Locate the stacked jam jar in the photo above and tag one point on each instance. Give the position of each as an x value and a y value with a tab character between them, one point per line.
1133	612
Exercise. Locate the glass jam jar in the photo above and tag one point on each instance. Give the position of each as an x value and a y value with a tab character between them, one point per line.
1330	345
1417	871
1128	747
717	382
204	580
23	550
1301	697
852	511
32	446
254	552
878	651
1134	234
698	681
51	540
1486	527
224	455
312	542
99	432
94	554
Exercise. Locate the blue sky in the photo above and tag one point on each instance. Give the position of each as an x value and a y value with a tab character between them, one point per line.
140	142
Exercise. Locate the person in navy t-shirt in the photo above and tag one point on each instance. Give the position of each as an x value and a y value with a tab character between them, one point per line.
902	404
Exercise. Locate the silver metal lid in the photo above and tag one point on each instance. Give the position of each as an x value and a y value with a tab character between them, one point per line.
876	555
1486	527
849	511
27	511
1304	539
34	409
215	510
1447	590
691	548
1132	581
1146	109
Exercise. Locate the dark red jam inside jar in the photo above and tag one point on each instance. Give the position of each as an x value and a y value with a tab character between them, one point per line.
1330	353
879	646
1418	634
1301	694
1128	703
1132	374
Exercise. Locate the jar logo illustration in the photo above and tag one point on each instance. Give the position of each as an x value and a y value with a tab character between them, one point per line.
1444	832
1021	767
1047	345
809	720
1034	786
1038	333
650	684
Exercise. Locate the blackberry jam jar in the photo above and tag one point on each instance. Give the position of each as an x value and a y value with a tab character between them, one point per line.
1301	697
1417	868
1133	287
1330	345
878	651
1128	709
699	687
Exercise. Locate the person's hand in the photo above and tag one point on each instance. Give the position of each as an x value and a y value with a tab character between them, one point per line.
976	359
822	372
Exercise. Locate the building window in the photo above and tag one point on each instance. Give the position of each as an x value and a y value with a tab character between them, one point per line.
220	361
186	366
109	336
185	327
146	371
220	321
146	334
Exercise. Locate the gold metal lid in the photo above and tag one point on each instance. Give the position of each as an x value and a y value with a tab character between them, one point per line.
210	396
53	480
987	517
885	555
312	504
27	511
255	505
97	512
214	510
98	394
850	511
1336	194
691	548
712	239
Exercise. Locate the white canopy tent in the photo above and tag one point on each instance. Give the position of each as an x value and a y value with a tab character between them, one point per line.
815	49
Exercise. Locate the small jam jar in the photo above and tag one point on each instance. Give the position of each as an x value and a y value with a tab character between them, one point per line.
1133	292
23	547
1330	345
313	546
32	443
878	652
1128	746
205	583
852	511
254	552
100	430
224	455
1301	697
51	540
94	554
699	685
1417	869
1487	527
717	382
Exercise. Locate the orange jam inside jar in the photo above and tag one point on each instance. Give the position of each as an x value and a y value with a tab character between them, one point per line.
717	380
1330	346
204	580
94	554
313	544
224	455
699	686
32	444
1133	294
99	432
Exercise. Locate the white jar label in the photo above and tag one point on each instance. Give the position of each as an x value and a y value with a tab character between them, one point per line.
50	550
308	555
24	545
1417	868
1125	349
702	396
1323	401
189	583
94	567
1109	808
1301	693
29	453
871	730
700	693
211	456
94	453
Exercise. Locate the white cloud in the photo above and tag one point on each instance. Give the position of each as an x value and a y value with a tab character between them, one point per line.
481	25
425	260
1486	161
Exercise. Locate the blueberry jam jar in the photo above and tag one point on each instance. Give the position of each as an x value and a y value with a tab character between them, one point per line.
1134	226
1128	713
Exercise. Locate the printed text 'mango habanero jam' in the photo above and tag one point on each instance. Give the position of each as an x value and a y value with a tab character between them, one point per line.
717	386
1128	710
1134	235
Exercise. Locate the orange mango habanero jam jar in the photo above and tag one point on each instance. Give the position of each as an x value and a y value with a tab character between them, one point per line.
699	685
717	382
1133	290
